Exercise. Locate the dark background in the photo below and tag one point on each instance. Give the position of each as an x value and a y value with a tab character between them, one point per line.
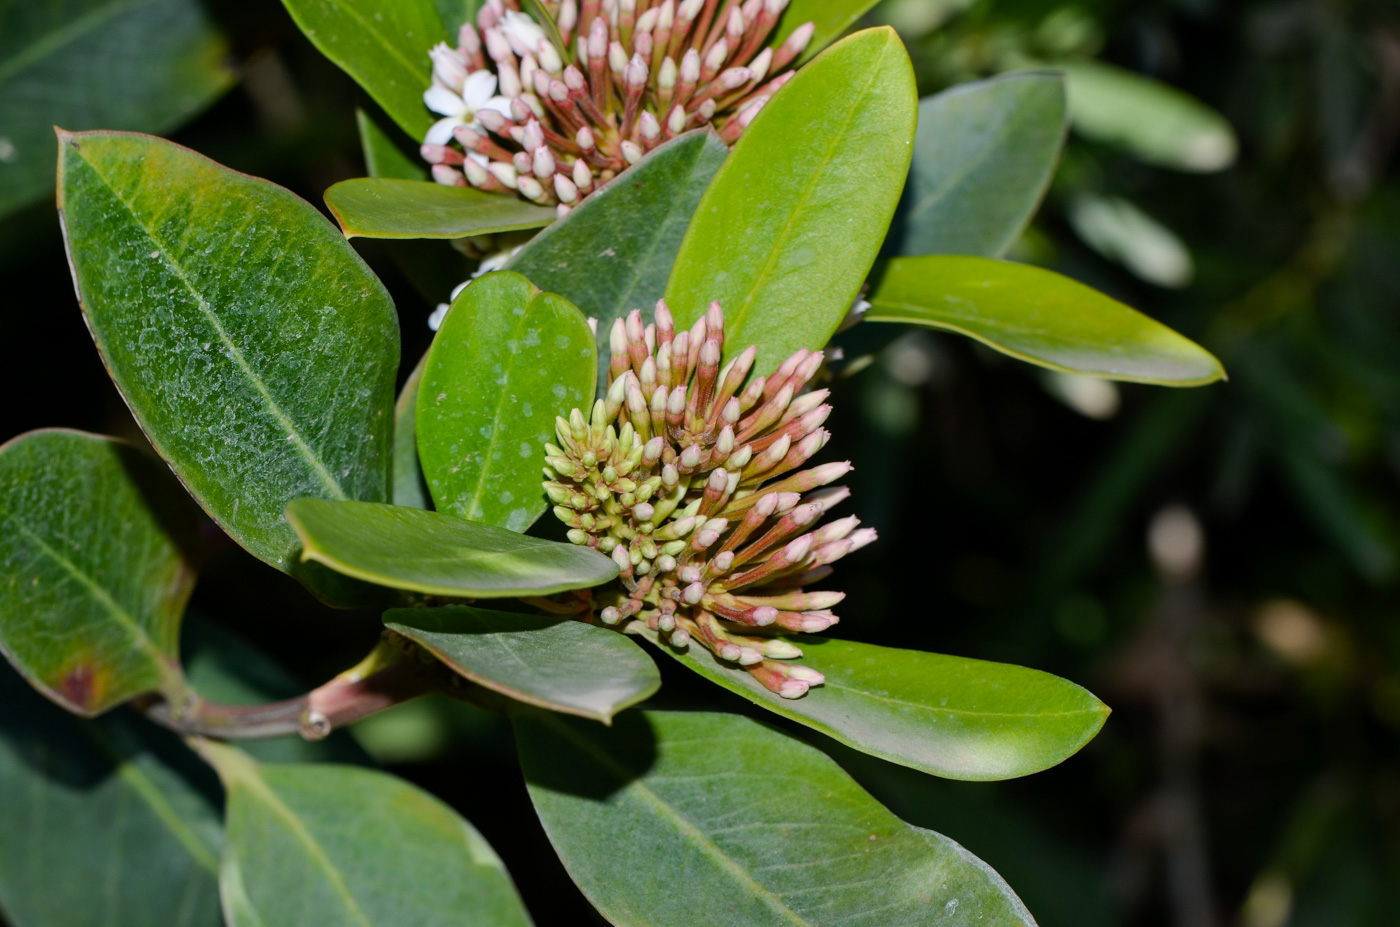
1219	565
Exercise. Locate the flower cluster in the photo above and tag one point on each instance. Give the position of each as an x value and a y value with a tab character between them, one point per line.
642	72
689	478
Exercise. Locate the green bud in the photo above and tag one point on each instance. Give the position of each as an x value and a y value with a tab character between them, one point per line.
606	544
577	537
673	548
578	425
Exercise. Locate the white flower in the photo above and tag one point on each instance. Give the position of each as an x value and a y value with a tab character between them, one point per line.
522	32
478	93
449	66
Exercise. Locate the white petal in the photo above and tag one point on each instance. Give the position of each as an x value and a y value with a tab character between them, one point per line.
443	101
497	104
478	89
441	131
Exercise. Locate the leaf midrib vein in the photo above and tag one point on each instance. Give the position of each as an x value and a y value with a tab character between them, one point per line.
63	36
234	353
698	837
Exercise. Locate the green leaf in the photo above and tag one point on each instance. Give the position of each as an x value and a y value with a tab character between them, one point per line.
667	814
456	12
614	252
107	823
1039	317
948	716
1121	232
555	663
505	362
98	553
145	65
326	844
1152	120
375	207
984	154
383	158
831	17
410	488
440	554
255	348
383	45
785	234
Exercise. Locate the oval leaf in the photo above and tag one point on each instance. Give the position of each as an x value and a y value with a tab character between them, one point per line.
383	45
718	813
949	716
555	663
98	552
1039	317
1154	121
145	65
326	844
255	348
389	207
505	362
785	234
440	554
614	252
831	19
984	154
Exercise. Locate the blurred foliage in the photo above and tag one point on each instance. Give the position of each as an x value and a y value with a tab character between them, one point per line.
1220	565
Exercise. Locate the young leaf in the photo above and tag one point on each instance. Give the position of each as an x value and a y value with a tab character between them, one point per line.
440	554
555	663
667	814
382	155
830	17
146	65
614	252
948	716
787	231
105	823
325	844
386	207
1152	120
984	154
383	45
254	347
507	360
410	489
1039	317
98	553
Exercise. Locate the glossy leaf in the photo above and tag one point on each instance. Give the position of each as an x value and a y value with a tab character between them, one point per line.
787	231
387	207
145	65
456	12
383	45
254	347
984	154
831	17
949	716
98	553
1037	316
382	155
614	252
326	844
439	554
107	823
669	813
410	488
1152	120
555	663
507	360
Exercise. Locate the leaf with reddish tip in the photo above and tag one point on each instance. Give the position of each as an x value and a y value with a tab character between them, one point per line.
98	552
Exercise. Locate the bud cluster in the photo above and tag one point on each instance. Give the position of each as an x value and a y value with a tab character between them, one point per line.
630	75
689	476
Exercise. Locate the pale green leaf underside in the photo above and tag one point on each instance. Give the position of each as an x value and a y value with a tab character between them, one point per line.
554	663
438	554
1039	317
